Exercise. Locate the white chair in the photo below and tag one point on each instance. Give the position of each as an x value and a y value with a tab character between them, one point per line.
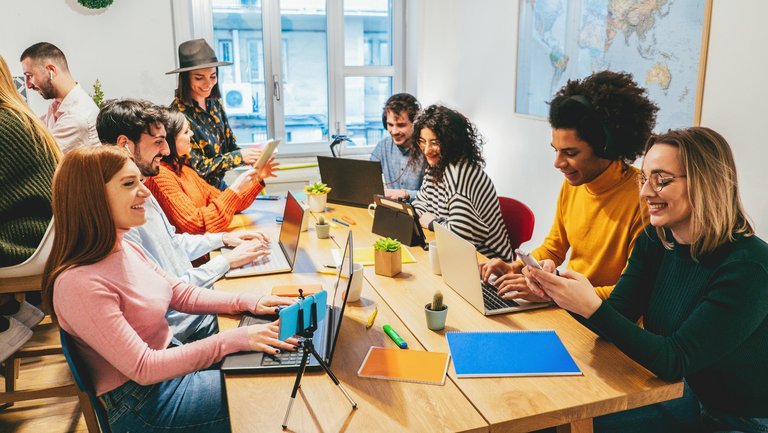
19	279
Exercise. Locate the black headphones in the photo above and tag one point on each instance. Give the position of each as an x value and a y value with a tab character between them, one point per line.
607	151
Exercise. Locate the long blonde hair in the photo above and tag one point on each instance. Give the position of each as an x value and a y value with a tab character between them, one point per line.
85	229
717	214
11	100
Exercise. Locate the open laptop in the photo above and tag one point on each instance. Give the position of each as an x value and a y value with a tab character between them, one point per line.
283	252
458	263
353	182
326	336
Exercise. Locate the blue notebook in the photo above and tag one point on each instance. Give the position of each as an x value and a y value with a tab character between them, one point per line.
510	353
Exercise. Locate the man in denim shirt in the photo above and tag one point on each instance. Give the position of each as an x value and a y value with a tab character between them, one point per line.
403	173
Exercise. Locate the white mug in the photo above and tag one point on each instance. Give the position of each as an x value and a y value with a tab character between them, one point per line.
372	209
356	286
305	219
434	258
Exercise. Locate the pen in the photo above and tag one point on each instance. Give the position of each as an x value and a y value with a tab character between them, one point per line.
331	266
372	318
340	222
395	337
348	219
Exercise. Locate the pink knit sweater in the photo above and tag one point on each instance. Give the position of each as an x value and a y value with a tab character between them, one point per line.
115	310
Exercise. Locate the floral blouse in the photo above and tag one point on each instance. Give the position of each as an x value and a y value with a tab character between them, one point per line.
214	150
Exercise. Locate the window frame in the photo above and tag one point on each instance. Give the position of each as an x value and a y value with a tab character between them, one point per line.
194	19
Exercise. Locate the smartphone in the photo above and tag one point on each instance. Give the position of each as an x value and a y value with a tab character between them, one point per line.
266	153
527	259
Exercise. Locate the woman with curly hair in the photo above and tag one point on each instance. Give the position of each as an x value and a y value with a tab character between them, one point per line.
456	192
599	126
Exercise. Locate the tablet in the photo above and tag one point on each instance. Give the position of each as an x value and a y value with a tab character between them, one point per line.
266	153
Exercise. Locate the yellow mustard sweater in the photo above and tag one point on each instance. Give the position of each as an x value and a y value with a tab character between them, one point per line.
598	222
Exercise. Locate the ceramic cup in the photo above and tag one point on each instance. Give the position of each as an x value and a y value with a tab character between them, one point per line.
434	258
356	286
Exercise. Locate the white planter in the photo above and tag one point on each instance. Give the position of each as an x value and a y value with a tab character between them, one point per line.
317	202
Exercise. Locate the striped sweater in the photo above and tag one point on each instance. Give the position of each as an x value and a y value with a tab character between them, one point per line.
465	202
26	170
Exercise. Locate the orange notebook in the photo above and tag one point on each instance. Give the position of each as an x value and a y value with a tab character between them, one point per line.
292	290
405	365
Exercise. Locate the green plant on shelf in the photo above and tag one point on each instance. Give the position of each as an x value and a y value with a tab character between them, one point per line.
387	244
317	188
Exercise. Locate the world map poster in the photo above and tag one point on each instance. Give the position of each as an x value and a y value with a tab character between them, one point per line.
660	42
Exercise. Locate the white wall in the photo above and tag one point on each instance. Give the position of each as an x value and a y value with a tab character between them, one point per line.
128	47
466	52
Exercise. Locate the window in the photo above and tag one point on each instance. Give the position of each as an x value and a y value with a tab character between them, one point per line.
304	70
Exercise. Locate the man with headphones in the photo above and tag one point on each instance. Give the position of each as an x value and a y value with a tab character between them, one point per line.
599	126
402	164
71	117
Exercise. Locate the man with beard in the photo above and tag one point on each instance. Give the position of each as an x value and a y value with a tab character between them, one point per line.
71	117
402	175
138	126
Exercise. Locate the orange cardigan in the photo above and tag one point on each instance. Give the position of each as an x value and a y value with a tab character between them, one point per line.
194	206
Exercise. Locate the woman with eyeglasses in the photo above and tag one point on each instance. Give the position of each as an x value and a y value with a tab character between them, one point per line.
456	192
698	276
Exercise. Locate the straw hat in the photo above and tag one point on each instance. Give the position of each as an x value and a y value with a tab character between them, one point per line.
196	54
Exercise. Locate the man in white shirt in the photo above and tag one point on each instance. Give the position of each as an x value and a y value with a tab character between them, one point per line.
71	117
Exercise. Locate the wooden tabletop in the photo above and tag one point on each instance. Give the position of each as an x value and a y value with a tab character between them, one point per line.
611	382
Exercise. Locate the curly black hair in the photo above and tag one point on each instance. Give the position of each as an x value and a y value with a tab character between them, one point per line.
459	138
609	111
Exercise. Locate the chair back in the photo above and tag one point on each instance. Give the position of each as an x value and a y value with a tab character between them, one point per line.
83	378
36	262
518	219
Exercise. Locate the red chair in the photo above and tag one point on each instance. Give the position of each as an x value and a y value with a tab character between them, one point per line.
518	219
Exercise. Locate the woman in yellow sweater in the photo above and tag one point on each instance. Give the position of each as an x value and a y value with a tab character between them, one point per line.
599	126
189	202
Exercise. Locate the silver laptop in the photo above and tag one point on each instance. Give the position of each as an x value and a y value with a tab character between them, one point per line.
282	256
325	338
458	262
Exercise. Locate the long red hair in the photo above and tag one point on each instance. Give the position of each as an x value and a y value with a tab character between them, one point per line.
85	231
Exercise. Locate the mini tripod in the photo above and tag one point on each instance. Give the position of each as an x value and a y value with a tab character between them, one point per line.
308	347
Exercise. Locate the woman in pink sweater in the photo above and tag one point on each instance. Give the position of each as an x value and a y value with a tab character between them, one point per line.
191	203
105	293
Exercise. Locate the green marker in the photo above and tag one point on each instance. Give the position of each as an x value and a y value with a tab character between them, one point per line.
395	337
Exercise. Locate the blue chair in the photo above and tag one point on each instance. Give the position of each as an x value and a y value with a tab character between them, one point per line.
94	413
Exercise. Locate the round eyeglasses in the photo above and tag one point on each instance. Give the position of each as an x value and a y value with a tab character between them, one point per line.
658	180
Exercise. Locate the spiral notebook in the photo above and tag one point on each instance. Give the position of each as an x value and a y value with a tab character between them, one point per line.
405	365
510	353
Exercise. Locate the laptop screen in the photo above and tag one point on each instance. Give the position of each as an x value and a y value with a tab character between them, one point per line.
291	228
340	293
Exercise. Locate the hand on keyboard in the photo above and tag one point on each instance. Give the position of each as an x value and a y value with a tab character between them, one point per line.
263	338
246	253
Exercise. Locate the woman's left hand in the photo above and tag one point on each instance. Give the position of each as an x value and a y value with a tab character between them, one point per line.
426	218
570	290
269	304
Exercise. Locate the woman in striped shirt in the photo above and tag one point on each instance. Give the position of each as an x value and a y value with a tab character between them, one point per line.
456	191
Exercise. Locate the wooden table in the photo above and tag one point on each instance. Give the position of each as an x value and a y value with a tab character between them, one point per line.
611	382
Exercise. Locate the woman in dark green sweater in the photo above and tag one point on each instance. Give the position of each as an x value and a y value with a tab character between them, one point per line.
699	279
29	157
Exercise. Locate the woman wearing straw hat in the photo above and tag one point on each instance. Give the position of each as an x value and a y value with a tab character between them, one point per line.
214	150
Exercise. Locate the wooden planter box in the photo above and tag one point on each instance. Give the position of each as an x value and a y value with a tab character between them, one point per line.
388	264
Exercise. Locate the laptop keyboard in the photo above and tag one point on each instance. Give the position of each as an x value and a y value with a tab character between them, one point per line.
493	301
283	358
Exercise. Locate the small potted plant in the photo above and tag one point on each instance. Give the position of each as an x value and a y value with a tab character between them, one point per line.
317	194
387	257
322	228
436	312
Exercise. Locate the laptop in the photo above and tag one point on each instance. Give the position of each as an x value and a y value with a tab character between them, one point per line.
282	255
326	336
353	182
461	272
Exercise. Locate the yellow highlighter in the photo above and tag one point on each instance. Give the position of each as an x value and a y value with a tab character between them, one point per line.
372	318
